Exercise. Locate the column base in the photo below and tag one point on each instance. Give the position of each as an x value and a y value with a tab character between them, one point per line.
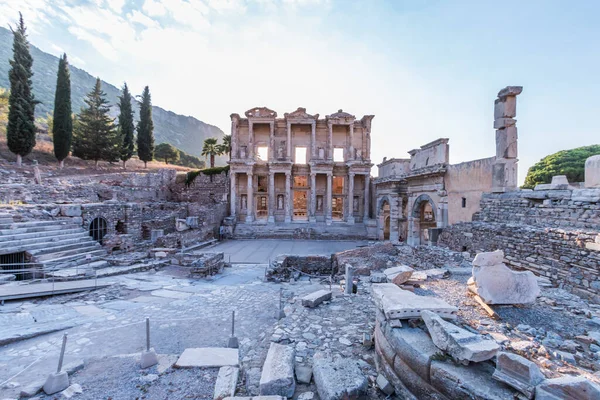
312	219
287	219
249	218
328	221
271	219
350	220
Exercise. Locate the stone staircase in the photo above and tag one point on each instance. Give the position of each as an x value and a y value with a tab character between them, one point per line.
312	231
51	244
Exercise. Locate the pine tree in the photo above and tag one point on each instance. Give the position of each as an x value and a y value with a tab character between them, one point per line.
62	124
95	135
145	129
167	152
20	131
126	127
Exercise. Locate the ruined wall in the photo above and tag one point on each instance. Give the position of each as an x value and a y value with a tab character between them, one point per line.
468	181
436	152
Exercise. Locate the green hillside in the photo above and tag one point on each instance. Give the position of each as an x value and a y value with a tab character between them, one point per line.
181	131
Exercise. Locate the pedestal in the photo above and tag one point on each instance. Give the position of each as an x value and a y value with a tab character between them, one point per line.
56	383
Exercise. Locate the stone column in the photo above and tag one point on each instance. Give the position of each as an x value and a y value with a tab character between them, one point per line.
250	141
328	200
234	138
351	147
250	198
329	142
367	156
288	197
272	142
271	218
313	197
504	170
289	141
232	194
313	141
350	208
367	199
414	236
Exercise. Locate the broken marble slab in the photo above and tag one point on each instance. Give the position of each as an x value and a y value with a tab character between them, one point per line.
396	303
314	299
277	378
338	379
208	357
498	284
398	274
226	382
459	343
567	387
518	372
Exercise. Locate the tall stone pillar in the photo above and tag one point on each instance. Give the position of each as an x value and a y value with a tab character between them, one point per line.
367	199
233	194
504	170
271	218
250	140
289	141
234	136
351	147
350	207
250	198
328	201
272	142
313	197
313	140
329	141
288	197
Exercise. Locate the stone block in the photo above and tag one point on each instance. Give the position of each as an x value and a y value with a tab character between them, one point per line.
459	343
386	369
506	142
510	91
277	376
384	385
303	373
413	382
71	210
518	372
502	123
208	357
498	284
192	222
314	299
485	259
378	277
567	387
148	359
226	382
592	172
399	274
156	233
505	107
56	383
396	303
338	379
468	382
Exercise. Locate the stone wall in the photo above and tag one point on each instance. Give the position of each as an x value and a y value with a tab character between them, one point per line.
285	267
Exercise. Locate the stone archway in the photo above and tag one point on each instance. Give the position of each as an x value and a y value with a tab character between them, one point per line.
98	229
384	219
423	217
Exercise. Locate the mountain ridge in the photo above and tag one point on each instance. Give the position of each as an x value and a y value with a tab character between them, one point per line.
182	131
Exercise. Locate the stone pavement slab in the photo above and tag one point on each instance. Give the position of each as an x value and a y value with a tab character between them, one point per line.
90	311
208	357
171	294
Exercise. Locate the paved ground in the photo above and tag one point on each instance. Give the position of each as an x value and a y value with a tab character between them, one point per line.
261	251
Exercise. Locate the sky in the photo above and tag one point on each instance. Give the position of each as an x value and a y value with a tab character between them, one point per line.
425	68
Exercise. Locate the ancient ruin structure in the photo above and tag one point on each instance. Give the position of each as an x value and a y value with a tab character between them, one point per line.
416	197
299	168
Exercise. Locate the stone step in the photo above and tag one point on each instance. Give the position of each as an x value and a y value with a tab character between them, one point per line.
34	224
82	248
63	244
77	257
35	235
45	228
79	272
15	246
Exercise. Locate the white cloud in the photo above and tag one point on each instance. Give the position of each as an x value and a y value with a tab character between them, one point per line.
192	13
143	19
116	5
101	45
154	8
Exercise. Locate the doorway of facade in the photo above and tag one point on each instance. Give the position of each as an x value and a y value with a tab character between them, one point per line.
337	208
385	219
300	205
262	208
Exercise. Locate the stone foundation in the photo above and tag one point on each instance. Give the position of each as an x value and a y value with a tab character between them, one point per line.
284	267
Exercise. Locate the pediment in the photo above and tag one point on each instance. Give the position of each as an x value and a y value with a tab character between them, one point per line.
341	115
300	113
260	112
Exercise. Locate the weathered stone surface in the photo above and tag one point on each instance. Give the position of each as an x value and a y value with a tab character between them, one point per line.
303	373
518	372
592	172
498	284
398	274
486	259
459	343
208	357
56	382
277	376
384	385
71	210
378	277
72	390
226	382
402	304
338	379
314	299
387	370
148	358
472	382
567	387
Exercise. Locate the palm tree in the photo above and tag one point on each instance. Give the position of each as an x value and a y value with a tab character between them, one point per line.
212	149
226	146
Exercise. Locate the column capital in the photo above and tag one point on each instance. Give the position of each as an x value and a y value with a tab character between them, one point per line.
313	174
250	173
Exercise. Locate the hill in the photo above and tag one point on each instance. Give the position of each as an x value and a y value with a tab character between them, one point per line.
181	131
565	162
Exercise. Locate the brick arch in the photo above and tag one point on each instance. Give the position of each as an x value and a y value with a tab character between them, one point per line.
416	209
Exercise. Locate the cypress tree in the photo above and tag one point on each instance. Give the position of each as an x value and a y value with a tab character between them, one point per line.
126	126
62	126
95	135
20	131
145	129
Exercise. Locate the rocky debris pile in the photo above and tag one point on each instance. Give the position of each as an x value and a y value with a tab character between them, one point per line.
285	267
366	259
495	283
398	304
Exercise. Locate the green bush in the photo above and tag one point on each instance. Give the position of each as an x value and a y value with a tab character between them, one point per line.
566	162
192	175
